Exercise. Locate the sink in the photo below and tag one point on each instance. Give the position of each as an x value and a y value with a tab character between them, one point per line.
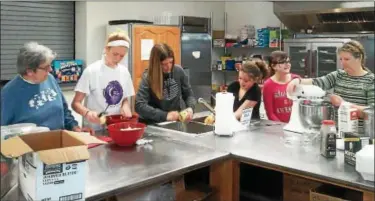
192	127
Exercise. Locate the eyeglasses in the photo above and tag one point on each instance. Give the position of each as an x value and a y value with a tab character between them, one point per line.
284	62
46	68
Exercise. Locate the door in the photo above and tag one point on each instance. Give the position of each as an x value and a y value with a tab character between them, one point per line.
199	64
325	58
159	34
300	54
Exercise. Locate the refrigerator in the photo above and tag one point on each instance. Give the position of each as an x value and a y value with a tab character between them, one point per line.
196	50
315	57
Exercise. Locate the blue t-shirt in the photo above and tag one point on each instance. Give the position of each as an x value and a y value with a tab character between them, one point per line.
42	104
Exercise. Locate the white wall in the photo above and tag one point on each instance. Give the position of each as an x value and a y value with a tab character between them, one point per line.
259	14
99	13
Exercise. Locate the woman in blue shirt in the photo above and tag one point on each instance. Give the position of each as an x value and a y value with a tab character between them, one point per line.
34	96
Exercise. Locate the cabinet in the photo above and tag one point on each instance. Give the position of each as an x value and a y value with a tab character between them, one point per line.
314	57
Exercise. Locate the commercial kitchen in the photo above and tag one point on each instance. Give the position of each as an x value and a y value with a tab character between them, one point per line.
251	159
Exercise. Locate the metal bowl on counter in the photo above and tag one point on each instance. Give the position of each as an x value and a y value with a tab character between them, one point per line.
313	112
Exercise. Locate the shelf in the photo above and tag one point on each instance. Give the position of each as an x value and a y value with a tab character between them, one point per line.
249	47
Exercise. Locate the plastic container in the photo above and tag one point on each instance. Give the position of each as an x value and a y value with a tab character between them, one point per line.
123	137
117	118
328	139
365	162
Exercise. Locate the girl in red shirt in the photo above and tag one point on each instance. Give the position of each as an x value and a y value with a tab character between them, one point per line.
278	107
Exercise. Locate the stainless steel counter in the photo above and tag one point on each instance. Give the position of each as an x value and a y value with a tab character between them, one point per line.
269	145
114	170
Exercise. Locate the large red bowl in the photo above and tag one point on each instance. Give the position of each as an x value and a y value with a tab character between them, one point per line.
126	137
116	118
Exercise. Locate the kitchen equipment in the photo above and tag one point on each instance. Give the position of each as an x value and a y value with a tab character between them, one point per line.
111	119
104	112
369	121
196	38
313	112
126	133
365	162
208	106
226	123
297	122
328	139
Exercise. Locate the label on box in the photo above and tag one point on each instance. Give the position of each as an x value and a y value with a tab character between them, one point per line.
352	144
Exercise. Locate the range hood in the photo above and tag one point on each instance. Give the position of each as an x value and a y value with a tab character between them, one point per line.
327	16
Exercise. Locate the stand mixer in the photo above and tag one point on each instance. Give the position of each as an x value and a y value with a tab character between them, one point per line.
300	120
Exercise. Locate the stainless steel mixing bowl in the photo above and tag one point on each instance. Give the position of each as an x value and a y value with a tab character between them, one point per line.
313	112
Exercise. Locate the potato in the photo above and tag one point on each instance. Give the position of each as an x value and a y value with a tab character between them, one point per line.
209	120
183	115
103	119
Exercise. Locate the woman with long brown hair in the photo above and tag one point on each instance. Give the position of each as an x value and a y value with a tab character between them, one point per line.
164	90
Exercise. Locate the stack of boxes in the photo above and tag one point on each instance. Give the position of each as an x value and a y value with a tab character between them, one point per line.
263	37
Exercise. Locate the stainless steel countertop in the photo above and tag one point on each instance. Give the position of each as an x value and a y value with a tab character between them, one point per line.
269	145
113	169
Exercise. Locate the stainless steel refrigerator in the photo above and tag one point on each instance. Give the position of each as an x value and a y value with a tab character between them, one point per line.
196	48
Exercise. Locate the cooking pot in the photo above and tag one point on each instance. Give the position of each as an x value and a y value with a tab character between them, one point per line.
368	117
313	112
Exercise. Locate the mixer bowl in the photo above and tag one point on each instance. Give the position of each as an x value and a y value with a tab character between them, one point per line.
313	112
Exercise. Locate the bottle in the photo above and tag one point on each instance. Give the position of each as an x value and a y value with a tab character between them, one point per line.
328	139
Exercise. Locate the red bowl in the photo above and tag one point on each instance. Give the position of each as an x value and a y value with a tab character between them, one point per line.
126	137
111	119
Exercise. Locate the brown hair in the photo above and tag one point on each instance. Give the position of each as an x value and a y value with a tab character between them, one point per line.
357	50
275	58
159	53
256	69
117	35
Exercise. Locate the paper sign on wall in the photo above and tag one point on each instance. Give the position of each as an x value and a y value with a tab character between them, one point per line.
146	46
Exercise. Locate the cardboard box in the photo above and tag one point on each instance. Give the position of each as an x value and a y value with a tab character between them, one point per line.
297	188
52	165
333	193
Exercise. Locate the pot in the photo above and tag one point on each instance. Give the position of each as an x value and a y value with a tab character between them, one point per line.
368	124
313	112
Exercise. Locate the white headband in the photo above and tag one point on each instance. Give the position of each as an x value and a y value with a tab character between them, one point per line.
119	43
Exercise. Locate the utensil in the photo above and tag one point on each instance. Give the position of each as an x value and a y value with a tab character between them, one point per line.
208	106
104	112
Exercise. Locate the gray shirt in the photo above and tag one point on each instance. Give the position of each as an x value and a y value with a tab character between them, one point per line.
177	95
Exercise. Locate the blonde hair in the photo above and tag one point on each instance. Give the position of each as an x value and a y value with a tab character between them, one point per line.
117	35
159	53
256	69
357	50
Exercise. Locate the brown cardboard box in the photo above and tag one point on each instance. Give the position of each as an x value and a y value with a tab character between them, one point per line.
334	193
52	165
297	188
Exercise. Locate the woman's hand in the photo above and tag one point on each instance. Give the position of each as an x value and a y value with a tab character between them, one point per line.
336	100
173	116
292	85
92	117
186	115
84	129
126	112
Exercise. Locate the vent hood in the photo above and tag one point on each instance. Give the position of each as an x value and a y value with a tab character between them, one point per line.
327	16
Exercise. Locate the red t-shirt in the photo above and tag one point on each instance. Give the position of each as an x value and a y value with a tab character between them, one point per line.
278	107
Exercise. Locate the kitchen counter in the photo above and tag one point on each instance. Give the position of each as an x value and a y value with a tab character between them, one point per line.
116	170
269	146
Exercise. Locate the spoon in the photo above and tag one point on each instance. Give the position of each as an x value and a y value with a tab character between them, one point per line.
104	112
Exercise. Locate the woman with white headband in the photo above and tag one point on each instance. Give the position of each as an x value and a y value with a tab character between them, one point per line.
106	84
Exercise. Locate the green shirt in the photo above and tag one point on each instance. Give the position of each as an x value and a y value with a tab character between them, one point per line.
358	90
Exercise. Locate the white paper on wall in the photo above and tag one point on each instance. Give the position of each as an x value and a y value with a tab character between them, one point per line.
146	46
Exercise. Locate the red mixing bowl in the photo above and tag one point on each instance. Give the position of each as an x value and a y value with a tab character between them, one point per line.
126	133
110	119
